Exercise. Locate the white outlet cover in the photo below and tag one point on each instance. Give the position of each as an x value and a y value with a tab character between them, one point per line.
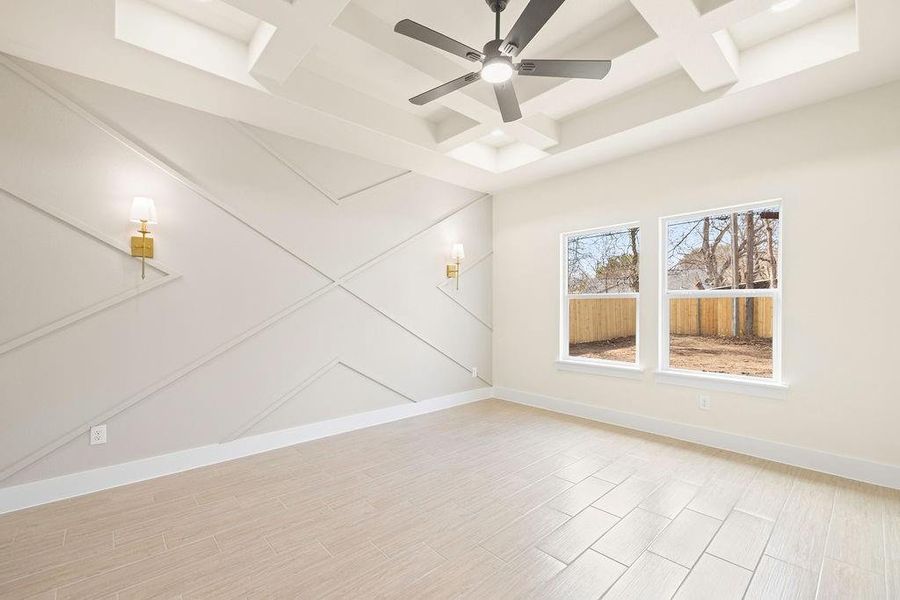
703	402
98	435
474	371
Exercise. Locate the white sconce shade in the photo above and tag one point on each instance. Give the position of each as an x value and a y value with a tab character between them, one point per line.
458	252
143	210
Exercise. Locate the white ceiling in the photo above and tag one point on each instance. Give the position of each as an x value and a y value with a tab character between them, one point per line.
336	74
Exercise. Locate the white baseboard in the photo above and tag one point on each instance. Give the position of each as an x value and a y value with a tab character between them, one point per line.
77	484
833	464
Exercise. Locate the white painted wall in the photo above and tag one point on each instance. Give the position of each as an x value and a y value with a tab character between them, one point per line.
837	167
291	257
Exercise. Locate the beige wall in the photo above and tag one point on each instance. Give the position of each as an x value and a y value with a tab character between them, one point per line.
837	167
297	302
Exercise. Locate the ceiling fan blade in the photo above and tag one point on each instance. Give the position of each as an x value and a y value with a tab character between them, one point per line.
436	39
581	69
535	16
506	99
444	89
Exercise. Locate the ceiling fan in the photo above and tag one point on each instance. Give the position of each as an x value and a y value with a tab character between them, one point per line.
496	58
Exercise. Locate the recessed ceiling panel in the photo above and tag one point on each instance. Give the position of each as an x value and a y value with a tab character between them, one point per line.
214	14
776	22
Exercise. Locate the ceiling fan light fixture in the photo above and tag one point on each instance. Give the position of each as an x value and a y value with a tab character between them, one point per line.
494	63
497	70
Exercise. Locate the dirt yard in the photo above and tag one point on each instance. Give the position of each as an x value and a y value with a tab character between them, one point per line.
622	349
710	354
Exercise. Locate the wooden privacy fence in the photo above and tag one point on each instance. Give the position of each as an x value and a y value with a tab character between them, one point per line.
610	318
712	316
597	320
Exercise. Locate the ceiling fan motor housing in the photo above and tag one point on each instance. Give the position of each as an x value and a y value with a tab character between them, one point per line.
492	48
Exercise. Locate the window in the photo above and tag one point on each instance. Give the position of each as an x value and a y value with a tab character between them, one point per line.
721	293
600	293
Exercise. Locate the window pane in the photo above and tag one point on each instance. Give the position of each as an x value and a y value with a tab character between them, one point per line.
603	262
603	329
700	253
704	335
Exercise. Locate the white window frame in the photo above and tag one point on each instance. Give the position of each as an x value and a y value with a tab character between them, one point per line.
720	381
596	365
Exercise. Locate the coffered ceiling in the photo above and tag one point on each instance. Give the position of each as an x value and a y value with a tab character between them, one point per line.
335	73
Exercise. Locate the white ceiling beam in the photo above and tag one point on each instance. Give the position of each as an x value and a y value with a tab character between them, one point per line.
270	11
538	131
451	140
709	58
296	34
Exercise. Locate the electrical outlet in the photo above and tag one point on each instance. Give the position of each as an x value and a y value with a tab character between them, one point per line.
98	434
703	402
474	371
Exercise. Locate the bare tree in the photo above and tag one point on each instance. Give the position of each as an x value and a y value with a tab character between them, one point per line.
770	248
749	245
635	260
735	273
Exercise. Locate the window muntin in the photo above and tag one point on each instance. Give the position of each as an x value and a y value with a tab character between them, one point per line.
718	319
600	296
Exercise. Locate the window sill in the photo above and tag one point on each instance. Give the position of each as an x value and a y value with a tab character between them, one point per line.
626	370
765	388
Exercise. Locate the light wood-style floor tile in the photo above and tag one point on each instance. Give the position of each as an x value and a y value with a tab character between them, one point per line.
670	498
518	578
741	539
487	500
127	575
685	539
775	578
577	534
626	496
583	468
628	539
714	579
840	580
615	473
651	576
857	531
587	578
768	491
801	529
378	583
581	495
524	533
717	498
452	578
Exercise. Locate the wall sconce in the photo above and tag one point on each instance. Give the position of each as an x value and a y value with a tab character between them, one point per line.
143	211
457	253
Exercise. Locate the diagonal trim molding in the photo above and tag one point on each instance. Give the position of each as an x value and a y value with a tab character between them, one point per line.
69	221
377	381
282	400
242	127
178	176
219	350
444	284
372	186
292	393
161	384
245	129
146	154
